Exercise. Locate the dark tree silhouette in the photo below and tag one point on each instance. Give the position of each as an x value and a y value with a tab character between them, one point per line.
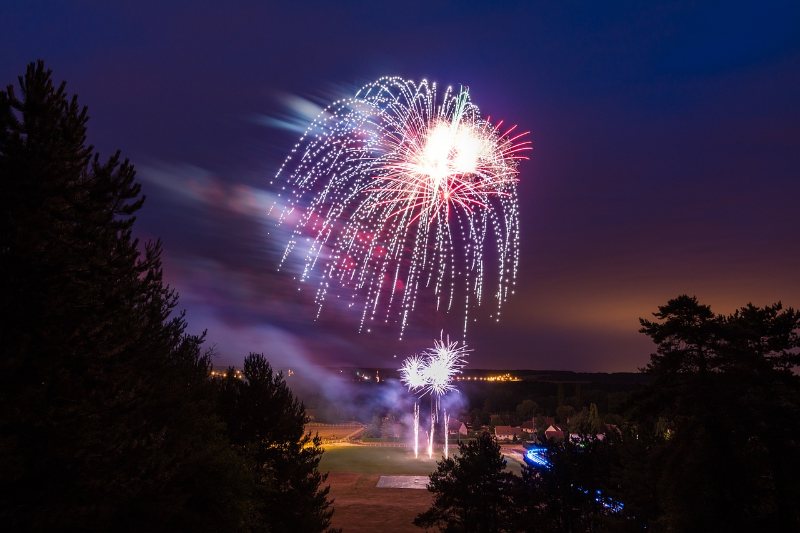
266	425
571	494
712	444
472	491
717	430
107	418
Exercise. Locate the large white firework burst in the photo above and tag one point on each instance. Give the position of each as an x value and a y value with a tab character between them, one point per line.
395	191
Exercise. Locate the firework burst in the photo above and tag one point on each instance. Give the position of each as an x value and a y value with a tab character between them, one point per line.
396	191
412	373
443	362
432	373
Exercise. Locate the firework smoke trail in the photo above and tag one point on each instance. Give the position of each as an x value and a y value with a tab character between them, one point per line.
430	435
446	433
397	190
416	430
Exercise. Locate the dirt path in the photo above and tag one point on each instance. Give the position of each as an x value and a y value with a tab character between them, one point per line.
363	508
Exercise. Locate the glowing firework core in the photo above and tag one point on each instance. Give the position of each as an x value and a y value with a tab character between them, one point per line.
454	163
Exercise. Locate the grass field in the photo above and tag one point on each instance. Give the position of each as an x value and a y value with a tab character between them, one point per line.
375	460
386	461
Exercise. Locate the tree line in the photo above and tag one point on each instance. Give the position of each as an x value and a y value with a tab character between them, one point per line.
110	420
711	444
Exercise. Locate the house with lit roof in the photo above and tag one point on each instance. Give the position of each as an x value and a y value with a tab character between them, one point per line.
507	432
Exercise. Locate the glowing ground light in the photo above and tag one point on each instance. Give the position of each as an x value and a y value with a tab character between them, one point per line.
536	456
395	191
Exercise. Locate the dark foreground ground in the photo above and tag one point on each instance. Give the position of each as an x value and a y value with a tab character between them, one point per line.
363	508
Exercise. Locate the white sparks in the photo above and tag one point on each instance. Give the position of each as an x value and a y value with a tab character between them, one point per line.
398	191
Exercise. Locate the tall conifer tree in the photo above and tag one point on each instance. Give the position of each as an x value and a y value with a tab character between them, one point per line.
107	421
266	425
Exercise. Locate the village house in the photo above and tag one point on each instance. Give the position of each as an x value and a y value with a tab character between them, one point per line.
457	427
554	432
507	432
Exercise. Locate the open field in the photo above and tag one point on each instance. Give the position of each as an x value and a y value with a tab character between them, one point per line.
386	461
382	460
360	506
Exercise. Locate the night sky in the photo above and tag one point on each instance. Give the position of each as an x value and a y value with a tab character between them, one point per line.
666	153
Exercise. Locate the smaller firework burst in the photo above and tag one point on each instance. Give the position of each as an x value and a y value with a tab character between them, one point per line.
442	363
412	373
432	373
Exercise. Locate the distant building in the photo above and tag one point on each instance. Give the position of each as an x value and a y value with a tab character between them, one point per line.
456	427
507	432
554	432
527	427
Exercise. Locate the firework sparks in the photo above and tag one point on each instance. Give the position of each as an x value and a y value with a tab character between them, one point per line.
430	434
397	191
412	373
443	362
446	434
432	373
416	430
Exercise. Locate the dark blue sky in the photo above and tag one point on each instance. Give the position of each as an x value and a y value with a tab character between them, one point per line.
666	152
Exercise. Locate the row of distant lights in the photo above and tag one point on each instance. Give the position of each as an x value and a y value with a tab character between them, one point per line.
236	374
504	377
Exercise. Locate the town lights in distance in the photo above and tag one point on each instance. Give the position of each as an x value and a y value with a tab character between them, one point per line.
396	191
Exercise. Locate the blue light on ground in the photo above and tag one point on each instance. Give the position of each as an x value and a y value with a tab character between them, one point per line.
536	456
